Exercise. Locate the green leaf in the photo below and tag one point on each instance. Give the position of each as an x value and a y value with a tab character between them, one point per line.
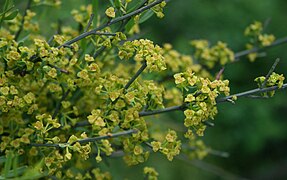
95	5
2	159
130	24
134	5
118	4
112	3
12	15
15	167
34	172
8	164
19	171
145	16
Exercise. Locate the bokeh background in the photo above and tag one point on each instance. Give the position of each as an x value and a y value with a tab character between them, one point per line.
253	131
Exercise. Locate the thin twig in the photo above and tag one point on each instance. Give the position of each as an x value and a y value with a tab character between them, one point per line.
243	53
219	100
160	111
220	73
22	22
86	140
266	23
113	21
98	52
218	153
58	106
59	69
270	72
256	49
90	22
257	97
183	107
105	34
142	68
208	123
209	168
250	92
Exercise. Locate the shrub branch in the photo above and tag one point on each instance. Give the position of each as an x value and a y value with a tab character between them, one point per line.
86	140
113	21
142	68
256	49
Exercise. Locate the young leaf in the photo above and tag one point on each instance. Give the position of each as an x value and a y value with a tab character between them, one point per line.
145	16
134	5
112	3
118	3
95	4
129	25
2	159
12	15
8	164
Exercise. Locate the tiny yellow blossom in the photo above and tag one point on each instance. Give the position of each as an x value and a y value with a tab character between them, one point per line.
110	12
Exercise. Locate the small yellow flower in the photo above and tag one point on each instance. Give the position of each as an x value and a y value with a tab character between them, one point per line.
52	73
110	12
178	78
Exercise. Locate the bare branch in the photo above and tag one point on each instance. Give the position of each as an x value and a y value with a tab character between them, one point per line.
270	72
256	49
160	111
58	106
142	68
113	21
59	69
82	141
220	73
250	92
90	22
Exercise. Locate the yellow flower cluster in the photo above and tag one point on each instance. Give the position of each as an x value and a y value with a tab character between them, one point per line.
143	50
169	147
274	80
150	173
200	95
135	152
28	23
257	38
175	61
11	99
158	9
82	15
197	149
210	56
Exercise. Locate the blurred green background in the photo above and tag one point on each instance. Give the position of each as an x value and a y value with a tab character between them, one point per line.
253	131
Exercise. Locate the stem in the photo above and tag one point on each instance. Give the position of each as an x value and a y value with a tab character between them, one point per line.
182	107
270	72
58	106
113	21
246	52
220	73
59	69
142	68
250	92
81	141
128	132
159	111
121	29
90	22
